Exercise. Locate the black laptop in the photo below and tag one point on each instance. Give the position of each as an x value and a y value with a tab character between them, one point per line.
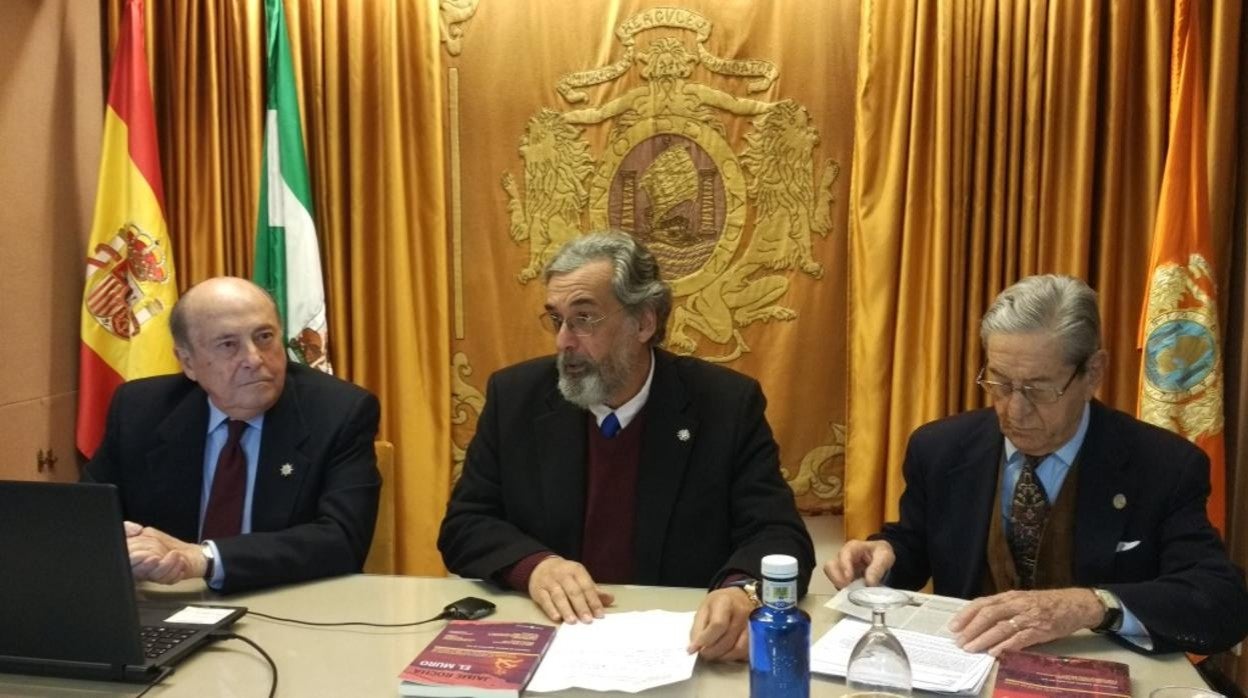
68	605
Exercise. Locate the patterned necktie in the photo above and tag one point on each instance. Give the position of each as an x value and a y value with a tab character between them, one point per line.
1028	512
610	426
224	516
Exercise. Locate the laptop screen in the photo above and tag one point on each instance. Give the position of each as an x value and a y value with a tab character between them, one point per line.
66	592
68	605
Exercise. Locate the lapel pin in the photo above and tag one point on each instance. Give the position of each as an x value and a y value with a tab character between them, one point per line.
683	434
1120	501
287	470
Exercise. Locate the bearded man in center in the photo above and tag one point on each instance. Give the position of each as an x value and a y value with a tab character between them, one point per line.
615	462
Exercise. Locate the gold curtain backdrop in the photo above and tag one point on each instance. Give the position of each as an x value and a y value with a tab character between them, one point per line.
449	152
379	82
369	87
996	140
717	132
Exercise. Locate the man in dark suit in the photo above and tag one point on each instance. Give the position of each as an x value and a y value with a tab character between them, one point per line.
242	470
617	462
1057	511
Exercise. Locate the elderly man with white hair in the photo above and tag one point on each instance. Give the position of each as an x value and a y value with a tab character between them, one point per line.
1053	511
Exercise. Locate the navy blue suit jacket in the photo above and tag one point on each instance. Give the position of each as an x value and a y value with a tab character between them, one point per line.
1177	580
315	522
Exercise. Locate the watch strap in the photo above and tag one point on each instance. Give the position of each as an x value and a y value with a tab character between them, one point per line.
750	587
1112	620
209	558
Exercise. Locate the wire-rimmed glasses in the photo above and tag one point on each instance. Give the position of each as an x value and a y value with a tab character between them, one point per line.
1035	394
580	324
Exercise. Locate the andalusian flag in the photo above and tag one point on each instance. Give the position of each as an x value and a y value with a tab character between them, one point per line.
288	262
1181	375
130	286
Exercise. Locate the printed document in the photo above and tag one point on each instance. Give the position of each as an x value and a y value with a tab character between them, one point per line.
927	613
936	663
922	627
628	652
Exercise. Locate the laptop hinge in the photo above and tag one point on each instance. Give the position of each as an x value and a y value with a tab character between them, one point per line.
38	666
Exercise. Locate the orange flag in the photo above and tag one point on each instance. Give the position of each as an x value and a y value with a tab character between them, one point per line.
130	285
1181	372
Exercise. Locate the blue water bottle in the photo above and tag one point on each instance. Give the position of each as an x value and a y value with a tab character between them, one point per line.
779	635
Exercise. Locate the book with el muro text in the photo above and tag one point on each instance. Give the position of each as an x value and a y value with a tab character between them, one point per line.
474	658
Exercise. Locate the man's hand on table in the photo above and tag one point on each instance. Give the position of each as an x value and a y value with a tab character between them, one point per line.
565	591
1017	619
721	628
156	556
869	559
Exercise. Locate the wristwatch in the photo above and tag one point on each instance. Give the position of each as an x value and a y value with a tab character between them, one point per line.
751	590
750	587
1112	621
209	558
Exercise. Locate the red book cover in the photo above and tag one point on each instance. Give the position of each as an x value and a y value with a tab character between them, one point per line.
472	658
1032	675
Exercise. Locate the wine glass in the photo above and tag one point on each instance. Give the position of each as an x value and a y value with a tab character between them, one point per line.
878	666
1184	692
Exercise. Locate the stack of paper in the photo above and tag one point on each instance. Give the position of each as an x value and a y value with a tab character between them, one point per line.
936	663
622	652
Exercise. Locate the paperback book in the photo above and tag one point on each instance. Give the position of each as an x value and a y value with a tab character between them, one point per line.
473	658
1033	675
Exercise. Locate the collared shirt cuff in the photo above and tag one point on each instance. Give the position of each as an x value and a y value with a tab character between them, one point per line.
218	567
1133	630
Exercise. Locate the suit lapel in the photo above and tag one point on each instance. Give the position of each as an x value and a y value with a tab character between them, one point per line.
978	469
1104	482
282	467
175	466
670	432
561	460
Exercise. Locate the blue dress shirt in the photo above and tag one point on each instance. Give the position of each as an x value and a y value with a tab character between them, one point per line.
218	431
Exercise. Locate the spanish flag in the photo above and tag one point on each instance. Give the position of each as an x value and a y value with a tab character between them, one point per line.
130	285
1181	371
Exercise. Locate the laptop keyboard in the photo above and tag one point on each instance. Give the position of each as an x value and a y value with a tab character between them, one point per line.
159	639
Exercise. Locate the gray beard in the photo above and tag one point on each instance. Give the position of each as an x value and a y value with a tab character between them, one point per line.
583	391
593	387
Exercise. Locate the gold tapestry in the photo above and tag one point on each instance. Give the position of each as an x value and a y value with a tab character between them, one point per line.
719	133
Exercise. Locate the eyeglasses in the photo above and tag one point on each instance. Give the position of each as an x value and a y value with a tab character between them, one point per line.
581	324
1035	394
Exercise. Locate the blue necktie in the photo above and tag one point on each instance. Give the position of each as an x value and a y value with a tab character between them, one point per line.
610	426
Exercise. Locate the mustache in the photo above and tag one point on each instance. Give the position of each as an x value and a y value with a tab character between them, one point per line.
574	360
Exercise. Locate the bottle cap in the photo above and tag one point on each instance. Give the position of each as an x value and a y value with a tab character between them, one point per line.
779	566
